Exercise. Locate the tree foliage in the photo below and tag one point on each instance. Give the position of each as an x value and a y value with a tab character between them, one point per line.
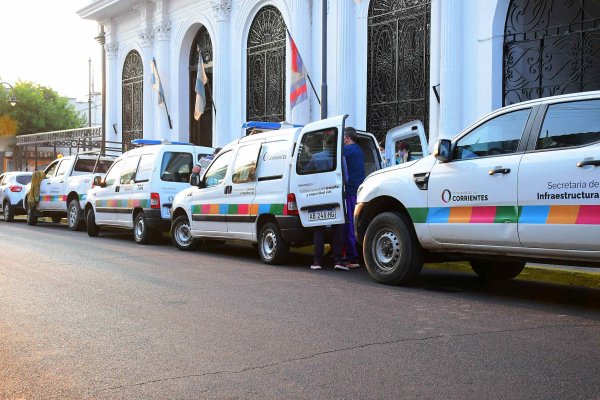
40	109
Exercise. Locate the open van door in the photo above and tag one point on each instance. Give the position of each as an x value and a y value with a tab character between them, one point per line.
413	133
316	177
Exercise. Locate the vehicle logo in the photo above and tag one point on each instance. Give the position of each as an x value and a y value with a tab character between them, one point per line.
170	198
446	196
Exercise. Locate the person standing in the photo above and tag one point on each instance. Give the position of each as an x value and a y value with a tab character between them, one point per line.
355	164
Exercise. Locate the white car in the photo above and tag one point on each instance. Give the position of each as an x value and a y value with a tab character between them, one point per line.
521	184
138	189
12	193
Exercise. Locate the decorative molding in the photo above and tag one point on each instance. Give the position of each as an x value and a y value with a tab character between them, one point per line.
221	9
146	37
162	30
111	49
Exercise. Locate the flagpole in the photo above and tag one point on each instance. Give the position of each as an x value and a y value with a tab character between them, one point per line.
307	74
164	100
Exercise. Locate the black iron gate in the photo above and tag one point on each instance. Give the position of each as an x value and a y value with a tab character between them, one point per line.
133	99
201	131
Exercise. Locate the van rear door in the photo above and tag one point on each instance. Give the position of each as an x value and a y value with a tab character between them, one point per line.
316	177
413	133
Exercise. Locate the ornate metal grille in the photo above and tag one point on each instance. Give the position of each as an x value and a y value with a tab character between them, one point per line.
201	131
133	98
398	63
551	47
265	88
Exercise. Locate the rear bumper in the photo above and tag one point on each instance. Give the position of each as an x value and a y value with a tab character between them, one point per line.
156	221
292	230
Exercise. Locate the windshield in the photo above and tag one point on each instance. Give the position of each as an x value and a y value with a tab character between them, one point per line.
87	165
24	179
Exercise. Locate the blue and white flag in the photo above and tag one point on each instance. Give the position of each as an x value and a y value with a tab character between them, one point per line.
157	84
201	80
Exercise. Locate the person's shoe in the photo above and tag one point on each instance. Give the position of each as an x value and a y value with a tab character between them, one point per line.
315	267
341	266
352	264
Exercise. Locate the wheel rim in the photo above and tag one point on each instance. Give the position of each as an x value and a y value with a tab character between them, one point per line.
269	244
73	216
5	212
183	234
387	250
139	228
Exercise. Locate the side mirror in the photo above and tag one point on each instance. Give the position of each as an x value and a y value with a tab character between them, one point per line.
98	181
442	149
196	181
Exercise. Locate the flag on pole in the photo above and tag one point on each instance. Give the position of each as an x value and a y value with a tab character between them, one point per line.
201	80
298	90
157	84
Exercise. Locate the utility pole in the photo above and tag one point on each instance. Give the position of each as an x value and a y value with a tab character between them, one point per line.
324	61
89	92
101	38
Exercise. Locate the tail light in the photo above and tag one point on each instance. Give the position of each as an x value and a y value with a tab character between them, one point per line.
291	207
15	188
154	200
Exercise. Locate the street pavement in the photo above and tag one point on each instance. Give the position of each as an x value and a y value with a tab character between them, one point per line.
104	318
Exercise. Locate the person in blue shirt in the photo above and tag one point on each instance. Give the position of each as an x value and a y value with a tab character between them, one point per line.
355	164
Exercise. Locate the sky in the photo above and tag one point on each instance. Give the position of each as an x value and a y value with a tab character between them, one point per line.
46	42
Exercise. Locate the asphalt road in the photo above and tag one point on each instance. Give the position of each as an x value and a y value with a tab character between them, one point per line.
104	318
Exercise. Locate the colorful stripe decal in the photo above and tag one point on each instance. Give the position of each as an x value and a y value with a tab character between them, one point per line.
544	214
59	197
237	209
143	203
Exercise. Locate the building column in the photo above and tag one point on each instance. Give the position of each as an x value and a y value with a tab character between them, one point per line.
146	37
162	130
342	67
222	129
450	68
301	32
112	95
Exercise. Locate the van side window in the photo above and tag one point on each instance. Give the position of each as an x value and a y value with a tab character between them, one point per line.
62	169
317	152
176	167
273	160
113	173
129	168
570	124
499	136
145	167
217	170
244	168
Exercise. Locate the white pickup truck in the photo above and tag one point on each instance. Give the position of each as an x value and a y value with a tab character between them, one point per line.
64	187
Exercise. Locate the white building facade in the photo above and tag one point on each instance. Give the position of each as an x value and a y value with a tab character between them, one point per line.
446	62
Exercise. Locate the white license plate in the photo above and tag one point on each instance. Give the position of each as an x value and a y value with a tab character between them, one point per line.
321	215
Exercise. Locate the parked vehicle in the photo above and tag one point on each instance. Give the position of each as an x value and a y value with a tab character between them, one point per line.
12	193
138	189
64	187
264	189
522	183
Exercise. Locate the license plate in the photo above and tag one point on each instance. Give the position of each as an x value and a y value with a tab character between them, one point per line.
321	215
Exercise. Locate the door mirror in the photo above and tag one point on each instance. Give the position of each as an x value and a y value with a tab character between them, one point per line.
98	181
442	150
195	179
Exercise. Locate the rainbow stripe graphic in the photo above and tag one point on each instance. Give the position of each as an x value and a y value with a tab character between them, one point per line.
238	209
129	204
59	197
544	214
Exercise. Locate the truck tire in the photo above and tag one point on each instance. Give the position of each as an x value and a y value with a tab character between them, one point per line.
92	229
142	233
181	234
272	249
74	215
32	218
391	249
8	213
489	270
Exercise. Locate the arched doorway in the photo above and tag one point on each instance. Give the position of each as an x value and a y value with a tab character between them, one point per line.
398	63
265	82
201	131
132	99
551	47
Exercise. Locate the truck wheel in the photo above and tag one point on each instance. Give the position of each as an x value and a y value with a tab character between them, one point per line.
32	218
7	212
272	249
391	249
142	233
92	229
74	215
181	234
497	270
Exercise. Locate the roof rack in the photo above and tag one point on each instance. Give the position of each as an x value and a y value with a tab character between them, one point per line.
152	142
268	126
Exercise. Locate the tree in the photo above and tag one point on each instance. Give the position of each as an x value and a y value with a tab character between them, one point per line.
40	109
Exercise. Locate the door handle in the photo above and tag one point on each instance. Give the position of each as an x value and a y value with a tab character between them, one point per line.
47	183
117	188
595	163
228	189
499	171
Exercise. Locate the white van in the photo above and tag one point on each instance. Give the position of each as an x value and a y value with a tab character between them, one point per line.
269	188
138	189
